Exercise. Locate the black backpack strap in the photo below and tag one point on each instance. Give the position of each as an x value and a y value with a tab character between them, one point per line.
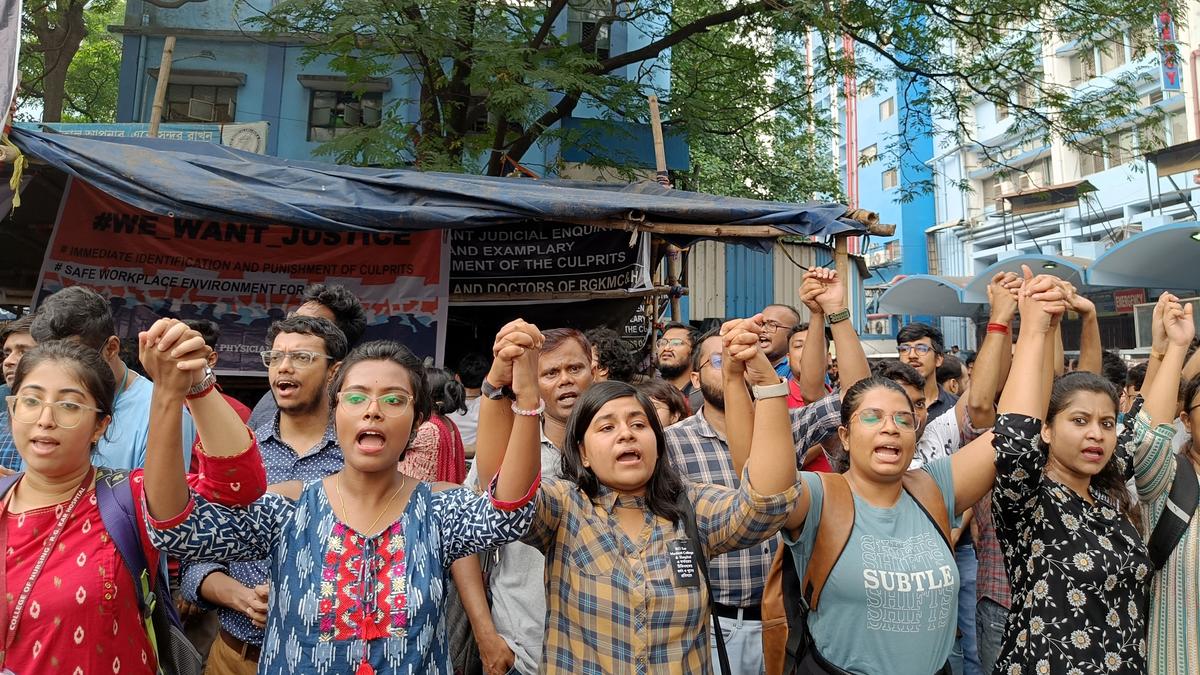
796	608
1177	512
693	533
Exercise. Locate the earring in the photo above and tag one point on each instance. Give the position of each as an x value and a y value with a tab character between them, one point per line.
586	464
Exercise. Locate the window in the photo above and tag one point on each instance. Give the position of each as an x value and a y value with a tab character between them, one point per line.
1119	148
1108	152
1091	158
868	155
1083	66
332	114
1112	53
1178	125
990	189
891	178
199	103
887	108
588	20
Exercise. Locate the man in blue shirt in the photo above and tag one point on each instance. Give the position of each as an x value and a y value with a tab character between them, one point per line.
298	445
778	321
16	340
81	314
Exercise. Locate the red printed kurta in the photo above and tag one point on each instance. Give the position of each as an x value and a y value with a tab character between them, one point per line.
82	617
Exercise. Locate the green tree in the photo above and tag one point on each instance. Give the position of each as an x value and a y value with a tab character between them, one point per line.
69	60
495	78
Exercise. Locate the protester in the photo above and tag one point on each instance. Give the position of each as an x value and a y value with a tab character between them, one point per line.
674	358
332	303
796	395
923	347
299	445
1134	380
509	633
704	449
470	372
356	562
73	600
1077	563
16	340
611	357
437	451
1174	620
669	403
778	321
951	375
78	313
614	525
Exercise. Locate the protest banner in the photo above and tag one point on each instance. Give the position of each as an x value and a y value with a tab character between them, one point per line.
243	276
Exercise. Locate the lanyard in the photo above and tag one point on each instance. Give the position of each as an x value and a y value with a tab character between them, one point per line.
11	632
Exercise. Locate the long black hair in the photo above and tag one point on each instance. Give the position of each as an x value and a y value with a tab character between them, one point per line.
1111	479
664	485
448	394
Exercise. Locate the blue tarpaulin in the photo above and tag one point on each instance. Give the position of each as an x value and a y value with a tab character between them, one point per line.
203	180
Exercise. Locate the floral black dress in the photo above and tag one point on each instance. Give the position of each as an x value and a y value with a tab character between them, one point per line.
1079	571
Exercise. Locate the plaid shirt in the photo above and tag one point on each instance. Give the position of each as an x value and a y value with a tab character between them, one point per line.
614	605
991	581
9	457
702	456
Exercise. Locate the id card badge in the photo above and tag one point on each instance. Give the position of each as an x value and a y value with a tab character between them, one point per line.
683	563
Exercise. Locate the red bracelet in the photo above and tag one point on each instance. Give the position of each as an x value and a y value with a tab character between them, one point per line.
202	393
997	328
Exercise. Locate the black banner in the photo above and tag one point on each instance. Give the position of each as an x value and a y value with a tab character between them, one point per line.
545	259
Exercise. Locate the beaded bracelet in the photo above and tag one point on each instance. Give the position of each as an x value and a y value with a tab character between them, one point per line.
530	413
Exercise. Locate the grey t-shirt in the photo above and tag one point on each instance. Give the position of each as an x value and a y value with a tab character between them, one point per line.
894	588
518	583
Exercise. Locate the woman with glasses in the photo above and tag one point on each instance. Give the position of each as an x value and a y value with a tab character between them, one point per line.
72	604
357	563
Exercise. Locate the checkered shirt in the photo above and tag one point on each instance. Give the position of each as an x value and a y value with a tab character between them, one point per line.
614	605
702	456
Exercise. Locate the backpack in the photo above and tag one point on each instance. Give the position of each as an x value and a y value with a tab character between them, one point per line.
1177	512
787	599
114	496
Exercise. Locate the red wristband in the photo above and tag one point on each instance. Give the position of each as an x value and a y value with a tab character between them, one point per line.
997	328
203	392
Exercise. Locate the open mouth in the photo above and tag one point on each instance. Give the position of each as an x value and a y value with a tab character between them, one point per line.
370	440
286	387
888	453
1093	454
567	399
43	444
629	457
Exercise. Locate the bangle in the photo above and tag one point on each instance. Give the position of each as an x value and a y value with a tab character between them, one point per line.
997	328
1155	354
530	413
212	384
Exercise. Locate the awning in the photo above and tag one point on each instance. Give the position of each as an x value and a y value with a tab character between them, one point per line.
926	294
200	180
1063	267
1162	257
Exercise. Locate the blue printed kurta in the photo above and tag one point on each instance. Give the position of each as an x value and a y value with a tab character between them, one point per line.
321	590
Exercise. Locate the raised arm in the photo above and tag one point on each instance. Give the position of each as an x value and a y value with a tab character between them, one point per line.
995	354
496	416
1090	359
175	357
739	407
522	459
852	360
1161	394
815	357
1153	462
772	462
1026	393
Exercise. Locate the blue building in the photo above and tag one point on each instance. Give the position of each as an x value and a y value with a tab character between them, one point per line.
224	71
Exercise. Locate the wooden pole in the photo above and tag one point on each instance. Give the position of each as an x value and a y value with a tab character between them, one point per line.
660	148
160	87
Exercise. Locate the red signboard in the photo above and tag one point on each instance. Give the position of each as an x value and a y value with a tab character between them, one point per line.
1125	300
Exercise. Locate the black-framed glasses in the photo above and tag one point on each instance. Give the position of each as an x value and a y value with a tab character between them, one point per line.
300	359
871	418
27	409
674	342
770	326
921	349
391	404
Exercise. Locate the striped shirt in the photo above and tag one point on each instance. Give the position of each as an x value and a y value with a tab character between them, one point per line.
701	455
614	605
1174	623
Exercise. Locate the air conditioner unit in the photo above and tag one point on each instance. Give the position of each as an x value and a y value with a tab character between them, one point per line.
1007	187
1032	180
204	111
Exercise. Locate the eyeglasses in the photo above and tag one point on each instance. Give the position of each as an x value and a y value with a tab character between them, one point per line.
391	405
300	359
715	361
66	414
873	417
770	326
921	349
674	342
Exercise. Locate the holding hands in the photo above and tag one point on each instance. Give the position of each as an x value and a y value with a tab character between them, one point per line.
1042	301
174	356
1002	297
822	291
516	361
743	353
1175	321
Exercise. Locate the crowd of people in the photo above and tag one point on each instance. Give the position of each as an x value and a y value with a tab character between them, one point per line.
740	503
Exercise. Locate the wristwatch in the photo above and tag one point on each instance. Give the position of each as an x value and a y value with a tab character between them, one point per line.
838	316
204	384
776	390
495	393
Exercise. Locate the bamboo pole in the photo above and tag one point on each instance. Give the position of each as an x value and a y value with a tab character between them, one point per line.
160	87
660	148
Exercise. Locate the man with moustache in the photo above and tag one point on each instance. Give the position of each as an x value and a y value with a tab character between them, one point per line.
778	321
298	445
673	359
16	340
699	448
510	633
